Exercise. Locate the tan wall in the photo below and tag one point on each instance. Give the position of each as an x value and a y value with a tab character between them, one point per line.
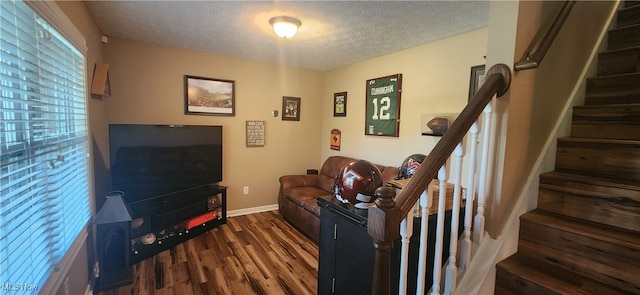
435	80
147	87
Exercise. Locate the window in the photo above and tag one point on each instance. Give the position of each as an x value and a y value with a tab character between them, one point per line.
44	181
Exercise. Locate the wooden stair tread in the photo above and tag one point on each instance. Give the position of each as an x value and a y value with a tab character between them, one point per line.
548	279
610	234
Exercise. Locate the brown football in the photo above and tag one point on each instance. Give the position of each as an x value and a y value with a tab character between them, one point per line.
438	125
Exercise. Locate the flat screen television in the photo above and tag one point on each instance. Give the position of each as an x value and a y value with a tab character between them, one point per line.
154	160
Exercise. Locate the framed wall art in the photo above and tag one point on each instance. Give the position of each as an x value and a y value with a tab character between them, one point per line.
335	139
255	133
208	96
477	78
290	108
340	104
382	116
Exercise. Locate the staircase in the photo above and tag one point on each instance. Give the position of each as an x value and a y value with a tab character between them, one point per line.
584	237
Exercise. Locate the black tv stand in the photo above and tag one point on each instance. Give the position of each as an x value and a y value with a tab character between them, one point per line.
165	221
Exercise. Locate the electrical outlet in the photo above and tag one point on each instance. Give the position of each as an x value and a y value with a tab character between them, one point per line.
245	190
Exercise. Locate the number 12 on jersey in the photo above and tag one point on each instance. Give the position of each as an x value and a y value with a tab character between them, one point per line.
383	106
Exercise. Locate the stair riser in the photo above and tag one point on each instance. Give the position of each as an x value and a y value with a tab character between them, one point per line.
613	90
606	130
628	16
624	37
621	122
619	62
520	274
514	284
593	206
612	264
618	161
629	3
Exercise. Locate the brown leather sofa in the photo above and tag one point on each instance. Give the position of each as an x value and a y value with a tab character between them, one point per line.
298	193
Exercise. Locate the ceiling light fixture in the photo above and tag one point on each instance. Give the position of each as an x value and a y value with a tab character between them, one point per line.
284	26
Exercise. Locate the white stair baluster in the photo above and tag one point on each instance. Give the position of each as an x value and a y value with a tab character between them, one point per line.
452	269
425	205
406	231
465	244
437	255
483	177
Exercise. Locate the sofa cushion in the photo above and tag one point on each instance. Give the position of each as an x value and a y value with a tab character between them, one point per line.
299	195
311	205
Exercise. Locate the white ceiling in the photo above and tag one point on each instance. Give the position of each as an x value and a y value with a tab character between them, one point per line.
333	33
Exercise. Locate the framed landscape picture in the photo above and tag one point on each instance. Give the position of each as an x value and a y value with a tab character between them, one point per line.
208	96
382	116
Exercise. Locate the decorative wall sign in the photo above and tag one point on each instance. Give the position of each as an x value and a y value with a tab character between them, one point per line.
477	78
340	104
255	133
290	108
207	96
100	84
335	139
382	117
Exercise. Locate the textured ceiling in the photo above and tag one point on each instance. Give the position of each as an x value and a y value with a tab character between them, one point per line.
333	33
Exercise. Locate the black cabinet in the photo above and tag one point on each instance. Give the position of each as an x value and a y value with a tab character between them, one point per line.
165	221
345	264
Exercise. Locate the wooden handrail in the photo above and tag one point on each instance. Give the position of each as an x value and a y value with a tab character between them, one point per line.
532	60
383	223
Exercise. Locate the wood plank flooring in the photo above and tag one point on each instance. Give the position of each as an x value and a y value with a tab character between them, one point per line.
252	254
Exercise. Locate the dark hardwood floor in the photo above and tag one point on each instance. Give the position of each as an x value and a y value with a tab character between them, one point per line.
252	254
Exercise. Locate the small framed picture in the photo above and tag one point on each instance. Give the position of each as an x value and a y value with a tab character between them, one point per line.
340	104
335	139
290	108
477	78
208	96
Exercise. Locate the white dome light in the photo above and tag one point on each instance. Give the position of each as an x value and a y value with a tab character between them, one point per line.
284	26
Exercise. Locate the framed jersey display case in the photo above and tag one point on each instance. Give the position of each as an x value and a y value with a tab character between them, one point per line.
383	106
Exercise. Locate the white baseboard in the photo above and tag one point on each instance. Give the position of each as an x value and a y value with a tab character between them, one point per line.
247	211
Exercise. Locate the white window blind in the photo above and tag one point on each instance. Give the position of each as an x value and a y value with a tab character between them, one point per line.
44	181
